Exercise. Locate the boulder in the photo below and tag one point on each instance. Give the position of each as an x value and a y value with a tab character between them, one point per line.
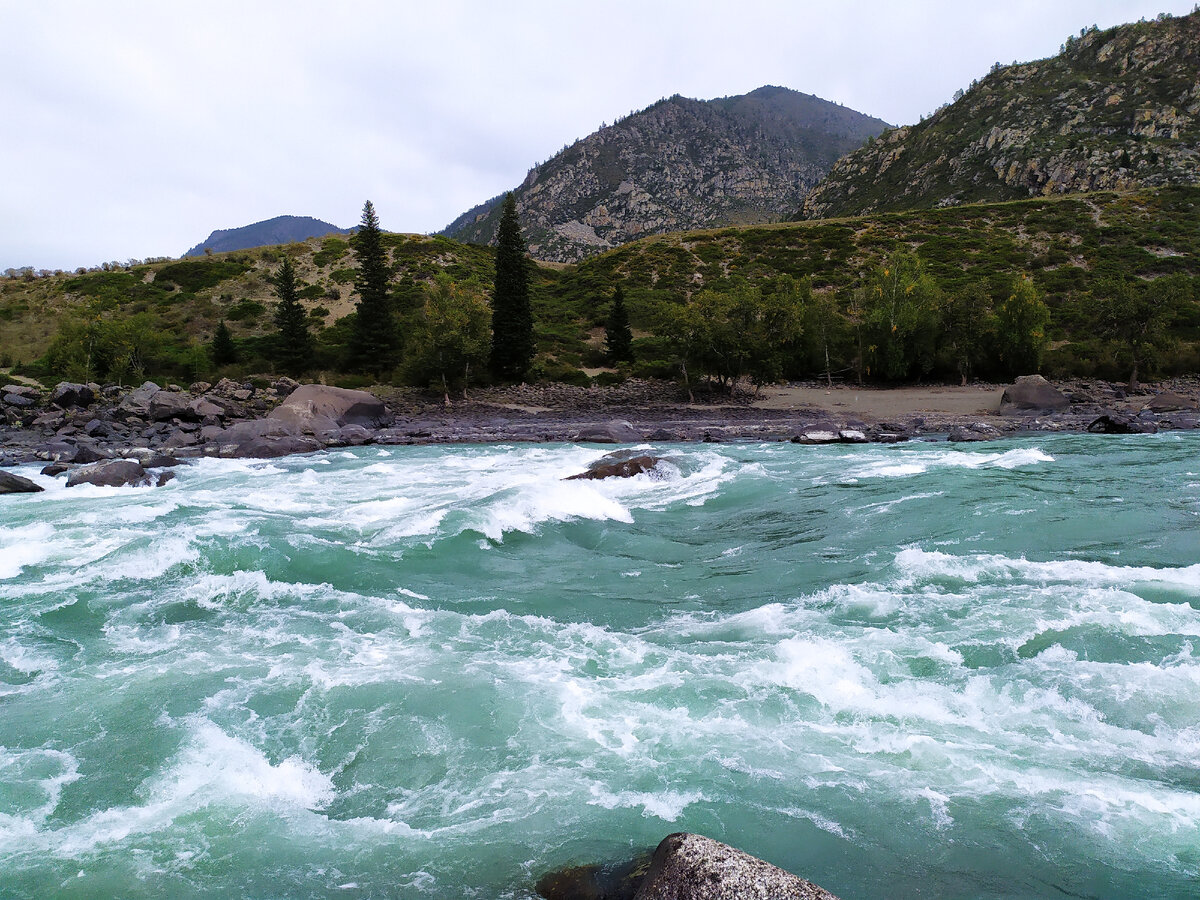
55	469
607	467
285	386
1169	401
1115	423
609	433
67	395
21	390
258	439
851	436
137	401
692	867
201	408
19	401
113	473
816	437
606	881
166	405
15	484
314	408
1032	394
348	436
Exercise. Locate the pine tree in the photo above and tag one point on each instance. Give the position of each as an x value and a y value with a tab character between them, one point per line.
618	339
222	348
512	317
374	344
293	344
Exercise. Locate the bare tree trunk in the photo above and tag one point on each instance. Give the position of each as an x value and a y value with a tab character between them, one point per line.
1133	377
466	378
687	382
445	391
828	368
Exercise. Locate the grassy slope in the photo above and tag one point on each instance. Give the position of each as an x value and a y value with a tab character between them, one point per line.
1065	243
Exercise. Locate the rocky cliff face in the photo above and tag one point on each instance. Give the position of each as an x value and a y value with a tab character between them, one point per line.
1116	109
680	164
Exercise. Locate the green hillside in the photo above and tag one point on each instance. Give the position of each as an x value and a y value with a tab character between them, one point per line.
789	300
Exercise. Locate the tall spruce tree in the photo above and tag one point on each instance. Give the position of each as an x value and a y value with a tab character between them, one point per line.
618	338
222	347
374	343
512	316
293	346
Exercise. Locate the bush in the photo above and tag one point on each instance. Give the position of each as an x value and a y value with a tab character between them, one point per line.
197	274
246	311
608	379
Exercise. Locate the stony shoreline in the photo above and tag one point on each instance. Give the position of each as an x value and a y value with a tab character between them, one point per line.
85	424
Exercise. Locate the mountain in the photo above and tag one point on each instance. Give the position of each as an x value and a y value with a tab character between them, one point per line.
676	165
279	230
1115	109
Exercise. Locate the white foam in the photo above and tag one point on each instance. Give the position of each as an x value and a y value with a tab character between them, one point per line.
665	805
906	463
24	545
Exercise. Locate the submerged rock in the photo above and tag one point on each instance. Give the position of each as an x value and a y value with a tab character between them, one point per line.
693	867
609	467
15	484
610	881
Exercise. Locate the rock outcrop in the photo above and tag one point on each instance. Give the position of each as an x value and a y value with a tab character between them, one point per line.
608	467
15	484
677	165
693	867
1115	110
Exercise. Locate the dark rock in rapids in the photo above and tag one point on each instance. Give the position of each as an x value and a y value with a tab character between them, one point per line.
607	467
114	473
15	484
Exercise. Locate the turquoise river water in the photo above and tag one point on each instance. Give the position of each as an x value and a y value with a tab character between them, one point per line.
927	670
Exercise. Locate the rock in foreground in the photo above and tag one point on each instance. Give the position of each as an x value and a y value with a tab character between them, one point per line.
693	867
15	484
1032	394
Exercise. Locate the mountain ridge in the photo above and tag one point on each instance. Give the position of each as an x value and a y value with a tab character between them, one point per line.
1117	109
268	232
676	165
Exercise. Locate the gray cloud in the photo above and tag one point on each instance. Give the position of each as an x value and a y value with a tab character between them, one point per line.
132	129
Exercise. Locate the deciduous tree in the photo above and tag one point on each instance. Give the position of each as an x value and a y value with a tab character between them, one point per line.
452	334
1021	322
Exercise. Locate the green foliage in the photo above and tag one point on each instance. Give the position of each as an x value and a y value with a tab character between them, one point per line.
245	310
512	314
293	345
91	348
375	344
1021	327
1134	316
618	337
968	329
900	319
332	249
451	335
194	275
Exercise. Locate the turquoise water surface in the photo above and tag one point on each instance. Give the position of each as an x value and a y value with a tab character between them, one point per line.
927	670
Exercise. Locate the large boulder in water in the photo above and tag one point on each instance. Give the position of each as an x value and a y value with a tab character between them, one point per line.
692	867
259	439
610	467
15	484
1032	394
114	473
317	408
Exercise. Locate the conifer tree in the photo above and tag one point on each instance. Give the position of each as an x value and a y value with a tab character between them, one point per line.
293	344
222	348
618	338
512	316
374	343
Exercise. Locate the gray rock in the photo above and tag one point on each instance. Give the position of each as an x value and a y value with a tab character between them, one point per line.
816	437
67	395
692	867
851	436
316	408
22	390
285	386
1169	401
113	473
15	484
1032	394
610	433
137	402
201	408
19	401
55	469
1115	423
166	405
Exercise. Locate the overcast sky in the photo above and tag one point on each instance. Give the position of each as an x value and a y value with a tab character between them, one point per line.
133	129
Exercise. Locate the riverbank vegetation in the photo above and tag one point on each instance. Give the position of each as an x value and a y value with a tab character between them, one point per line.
1102	284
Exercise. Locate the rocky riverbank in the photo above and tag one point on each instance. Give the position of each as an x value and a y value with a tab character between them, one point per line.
75	425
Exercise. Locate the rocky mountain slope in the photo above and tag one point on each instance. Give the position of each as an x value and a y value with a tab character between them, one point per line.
676	165
279	230
1116	109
